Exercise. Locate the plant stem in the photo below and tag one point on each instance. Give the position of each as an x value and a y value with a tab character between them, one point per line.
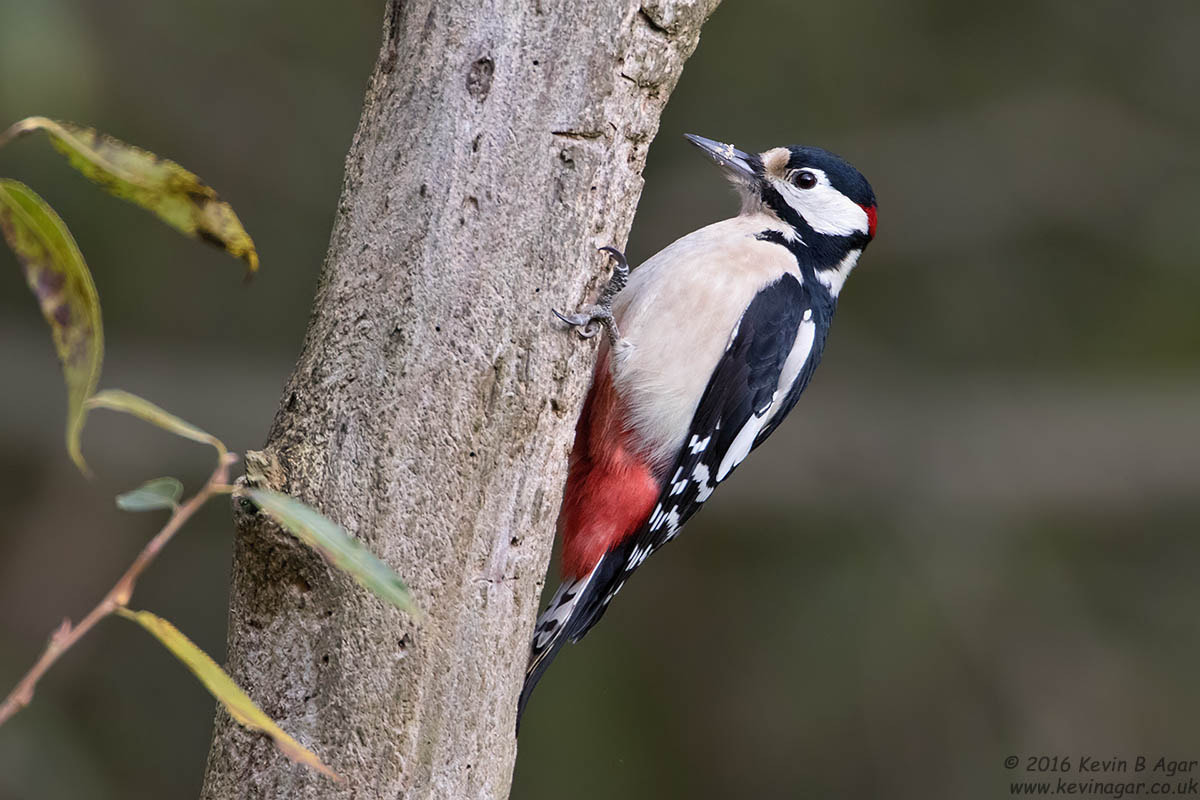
65	636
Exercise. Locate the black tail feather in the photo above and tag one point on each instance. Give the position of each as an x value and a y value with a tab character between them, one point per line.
586	611
536	670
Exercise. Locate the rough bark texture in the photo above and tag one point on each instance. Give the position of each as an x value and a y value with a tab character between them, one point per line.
433	406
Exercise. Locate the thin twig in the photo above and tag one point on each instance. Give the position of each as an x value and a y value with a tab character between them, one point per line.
65	636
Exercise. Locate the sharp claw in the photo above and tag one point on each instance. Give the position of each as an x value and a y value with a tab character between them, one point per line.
592	319
588	324
618	256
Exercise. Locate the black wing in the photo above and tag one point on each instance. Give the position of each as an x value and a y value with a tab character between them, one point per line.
821	315
742	390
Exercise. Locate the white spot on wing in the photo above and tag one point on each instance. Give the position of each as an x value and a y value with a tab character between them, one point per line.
700	475
673	524
638	555
697	445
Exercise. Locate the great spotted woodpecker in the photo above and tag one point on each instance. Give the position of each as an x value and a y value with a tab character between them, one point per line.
710	344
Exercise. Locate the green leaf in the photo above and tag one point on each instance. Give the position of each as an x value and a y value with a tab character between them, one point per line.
118	400
59	277
178	197
152	495
221	686
340	548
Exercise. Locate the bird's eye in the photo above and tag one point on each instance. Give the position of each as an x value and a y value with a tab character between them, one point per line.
805	179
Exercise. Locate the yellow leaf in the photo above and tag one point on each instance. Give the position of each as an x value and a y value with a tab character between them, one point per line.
178	197
221	686
118	400
56	272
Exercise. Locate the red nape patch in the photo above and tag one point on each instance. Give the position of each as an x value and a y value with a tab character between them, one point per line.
870	220
610	489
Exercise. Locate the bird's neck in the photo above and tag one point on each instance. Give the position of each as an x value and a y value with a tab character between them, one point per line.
824	261
834	278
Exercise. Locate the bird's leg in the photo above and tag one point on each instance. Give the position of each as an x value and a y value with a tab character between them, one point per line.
592	318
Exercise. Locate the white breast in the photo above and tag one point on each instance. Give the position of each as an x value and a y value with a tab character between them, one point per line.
677	314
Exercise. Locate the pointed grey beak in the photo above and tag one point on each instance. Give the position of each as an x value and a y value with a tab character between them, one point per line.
737	163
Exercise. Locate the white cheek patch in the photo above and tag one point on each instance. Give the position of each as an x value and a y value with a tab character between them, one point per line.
823	207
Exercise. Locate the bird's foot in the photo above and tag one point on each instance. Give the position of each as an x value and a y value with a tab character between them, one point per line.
590	319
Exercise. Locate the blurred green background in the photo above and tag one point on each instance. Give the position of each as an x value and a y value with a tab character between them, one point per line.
978	536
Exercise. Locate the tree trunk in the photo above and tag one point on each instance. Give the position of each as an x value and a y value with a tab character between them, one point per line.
433	405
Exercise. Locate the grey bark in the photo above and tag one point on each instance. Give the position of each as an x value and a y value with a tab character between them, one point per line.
433	405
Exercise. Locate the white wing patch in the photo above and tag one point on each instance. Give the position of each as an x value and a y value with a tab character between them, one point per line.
797	356
697	445
740	447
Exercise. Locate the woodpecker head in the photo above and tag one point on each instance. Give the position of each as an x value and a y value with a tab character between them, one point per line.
827	203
